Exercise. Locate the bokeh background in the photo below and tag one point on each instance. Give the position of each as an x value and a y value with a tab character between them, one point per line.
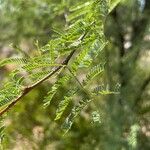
122	120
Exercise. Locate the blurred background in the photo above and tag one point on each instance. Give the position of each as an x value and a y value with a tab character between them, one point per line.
114	122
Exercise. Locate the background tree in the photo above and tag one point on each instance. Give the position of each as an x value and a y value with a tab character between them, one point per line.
114	119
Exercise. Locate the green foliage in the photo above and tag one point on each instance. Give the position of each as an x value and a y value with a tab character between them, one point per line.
132	138
13	60
82	34
96	118
64	103
1	131
60	82
91	56
95	71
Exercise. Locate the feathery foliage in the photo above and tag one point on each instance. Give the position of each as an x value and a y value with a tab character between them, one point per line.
93	56
85	34
83	40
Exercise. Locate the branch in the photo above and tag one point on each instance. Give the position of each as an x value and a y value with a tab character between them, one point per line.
142	89
120	45
120	34
139	28
26	90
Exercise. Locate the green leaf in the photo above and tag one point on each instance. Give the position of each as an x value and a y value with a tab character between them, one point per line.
95	71
13	61
74	113
60	82
31	66
105	89
64	103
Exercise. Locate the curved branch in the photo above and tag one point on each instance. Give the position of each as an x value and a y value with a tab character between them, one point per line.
142	89
26	90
